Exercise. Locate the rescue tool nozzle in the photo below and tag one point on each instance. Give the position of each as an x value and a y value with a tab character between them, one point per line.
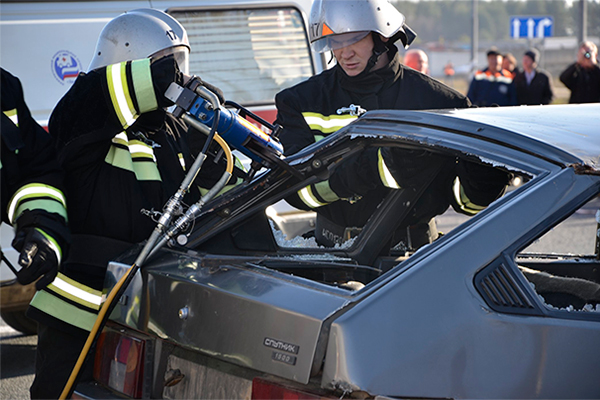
196	103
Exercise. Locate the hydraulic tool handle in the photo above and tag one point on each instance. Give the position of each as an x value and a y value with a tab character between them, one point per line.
208	95
190	120
185	97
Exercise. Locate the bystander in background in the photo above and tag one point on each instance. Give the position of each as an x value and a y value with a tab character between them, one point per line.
494	85
534	85
509	63
417	59
583	77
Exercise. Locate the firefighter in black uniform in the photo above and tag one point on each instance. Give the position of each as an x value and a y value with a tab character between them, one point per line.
33	198
124	157
368	76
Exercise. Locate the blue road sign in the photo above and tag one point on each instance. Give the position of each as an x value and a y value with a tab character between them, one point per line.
531	27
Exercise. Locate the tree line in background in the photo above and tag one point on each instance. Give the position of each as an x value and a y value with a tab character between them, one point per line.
449	21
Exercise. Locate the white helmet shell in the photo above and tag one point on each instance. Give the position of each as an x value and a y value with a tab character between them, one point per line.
137	34
336	17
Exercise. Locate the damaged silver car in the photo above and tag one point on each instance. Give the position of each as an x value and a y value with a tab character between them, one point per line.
494	308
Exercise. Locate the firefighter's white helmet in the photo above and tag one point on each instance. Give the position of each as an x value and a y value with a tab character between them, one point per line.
141	33
338	23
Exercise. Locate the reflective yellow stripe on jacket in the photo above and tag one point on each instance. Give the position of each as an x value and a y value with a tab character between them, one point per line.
317	195
69	301
327	123
463	200
122	95
12	115
135	156
36	196
384	173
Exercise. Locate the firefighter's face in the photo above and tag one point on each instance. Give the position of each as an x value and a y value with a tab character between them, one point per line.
354	58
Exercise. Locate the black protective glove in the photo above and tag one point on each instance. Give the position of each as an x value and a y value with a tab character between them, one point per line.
482	183
39	257
411	168
164	72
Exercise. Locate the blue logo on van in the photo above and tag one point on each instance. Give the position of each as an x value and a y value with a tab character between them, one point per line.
65	66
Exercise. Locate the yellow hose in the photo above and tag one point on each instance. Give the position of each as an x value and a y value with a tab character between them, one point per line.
92	335
227	151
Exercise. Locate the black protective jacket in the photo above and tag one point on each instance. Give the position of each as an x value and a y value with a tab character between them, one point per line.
32	180
318	107
123	161
583	83
308	110
539	90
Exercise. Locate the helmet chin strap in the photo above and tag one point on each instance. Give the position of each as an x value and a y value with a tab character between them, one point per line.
379	48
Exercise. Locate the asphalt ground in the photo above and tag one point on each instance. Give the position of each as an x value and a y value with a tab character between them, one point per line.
17	360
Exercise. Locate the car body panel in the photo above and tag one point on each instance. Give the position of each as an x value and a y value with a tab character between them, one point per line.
244	315
438	333
540	130
237	309
574	135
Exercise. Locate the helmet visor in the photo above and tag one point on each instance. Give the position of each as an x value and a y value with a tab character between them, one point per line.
334	42
181	54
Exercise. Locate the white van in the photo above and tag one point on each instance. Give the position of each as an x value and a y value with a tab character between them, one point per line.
251	49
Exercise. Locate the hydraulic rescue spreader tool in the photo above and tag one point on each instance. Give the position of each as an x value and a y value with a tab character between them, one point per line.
193	106
200	108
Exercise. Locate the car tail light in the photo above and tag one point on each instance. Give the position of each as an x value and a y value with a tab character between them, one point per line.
264	390
119	362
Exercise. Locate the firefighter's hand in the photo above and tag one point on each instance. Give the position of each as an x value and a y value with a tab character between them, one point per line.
39	257
164	72
482	183
411	168
188	80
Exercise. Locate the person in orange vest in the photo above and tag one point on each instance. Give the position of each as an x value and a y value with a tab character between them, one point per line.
493	86
449	69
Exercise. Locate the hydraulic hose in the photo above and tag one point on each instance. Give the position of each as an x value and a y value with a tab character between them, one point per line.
195	208
174	202
116	292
